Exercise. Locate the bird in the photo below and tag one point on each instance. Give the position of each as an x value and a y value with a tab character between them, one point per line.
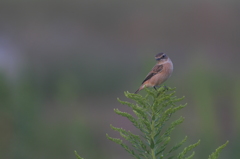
159	73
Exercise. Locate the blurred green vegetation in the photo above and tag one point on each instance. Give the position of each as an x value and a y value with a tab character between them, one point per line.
29	125
45	116
63	64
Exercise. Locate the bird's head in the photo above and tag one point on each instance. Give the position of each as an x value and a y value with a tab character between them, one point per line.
161	57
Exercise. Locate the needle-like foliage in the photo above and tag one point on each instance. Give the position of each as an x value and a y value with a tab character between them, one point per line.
76	154
151	114
215	154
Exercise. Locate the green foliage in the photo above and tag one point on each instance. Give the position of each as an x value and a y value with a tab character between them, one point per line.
151	114
186	149
215	154
78	157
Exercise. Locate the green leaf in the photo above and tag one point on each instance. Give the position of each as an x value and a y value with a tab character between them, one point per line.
178	145
163	147
191	156
119	141
215	154
132	138
187	149
129	116
76	154
172	127
116	140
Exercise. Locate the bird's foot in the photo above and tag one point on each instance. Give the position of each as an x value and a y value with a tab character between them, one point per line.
165	87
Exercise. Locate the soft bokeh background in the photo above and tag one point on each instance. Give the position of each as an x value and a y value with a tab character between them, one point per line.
64	63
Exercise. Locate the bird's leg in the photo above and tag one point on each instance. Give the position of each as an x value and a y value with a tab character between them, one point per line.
155	88
166	87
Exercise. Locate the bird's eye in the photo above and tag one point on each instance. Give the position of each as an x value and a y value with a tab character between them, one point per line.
163	56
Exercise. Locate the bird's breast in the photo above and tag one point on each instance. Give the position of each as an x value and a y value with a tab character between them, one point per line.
162	76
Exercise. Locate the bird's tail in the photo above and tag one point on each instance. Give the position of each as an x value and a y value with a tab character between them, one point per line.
140	88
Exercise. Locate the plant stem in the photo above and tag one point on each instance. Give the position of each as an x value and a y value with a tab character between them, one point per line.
152	137
153	154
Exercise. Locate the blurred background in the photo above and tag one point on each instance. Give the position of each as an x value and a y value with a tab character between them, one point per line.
64	63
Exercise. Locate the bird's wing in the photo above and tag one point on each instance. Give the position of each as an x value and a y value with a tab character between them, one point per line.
156	69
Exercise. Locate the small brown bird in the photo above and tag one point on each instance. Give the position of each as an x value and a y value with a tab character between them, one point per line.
159	73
